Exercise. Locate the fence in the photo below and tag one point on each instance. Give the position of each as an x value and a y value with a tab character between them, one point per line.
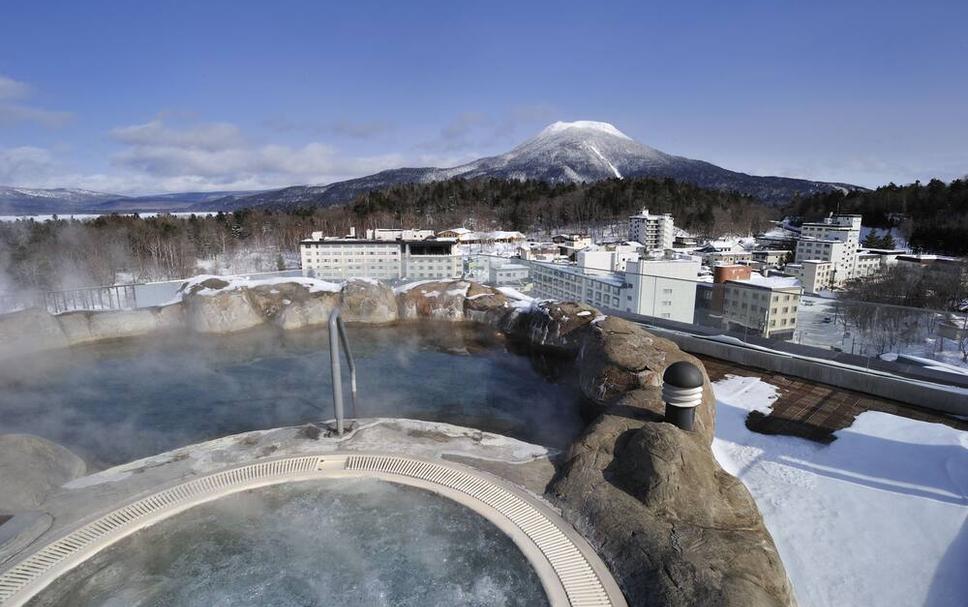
875	335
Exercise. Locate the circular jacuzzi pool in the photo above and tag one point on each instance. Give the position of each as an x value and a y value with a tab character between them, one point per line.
352	541
335	529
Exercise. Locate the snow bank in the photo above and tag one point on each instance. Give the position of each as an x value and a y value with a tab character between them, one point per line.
878	517
238	282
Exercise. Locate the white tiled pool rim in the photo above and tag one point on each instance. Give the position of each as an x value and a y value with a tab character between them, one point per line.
570	571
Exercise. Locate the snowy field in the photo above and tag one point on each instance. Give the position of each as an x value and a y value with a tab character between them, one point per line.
814	329
878	517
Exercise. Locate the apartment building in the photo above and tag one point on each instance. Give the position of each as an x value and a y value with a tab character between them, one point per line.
814	275
836	239
653	231
772	257
341	258
659	287
765	305
568	282
662	287
729	258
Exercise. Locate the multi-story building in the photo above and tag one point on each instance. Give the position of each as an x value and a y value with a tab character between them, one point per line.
659	287
610	257
766	305
662	287
836	239
814	275
340	258
398	234
729	258
653	231
568	282
508	274
772	257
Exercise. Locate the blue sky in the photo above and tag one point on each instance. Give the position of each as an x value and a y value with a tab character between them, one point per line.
136	97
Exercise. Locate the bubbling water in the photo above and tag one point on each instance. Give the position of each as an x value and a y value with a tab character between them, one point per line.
339	542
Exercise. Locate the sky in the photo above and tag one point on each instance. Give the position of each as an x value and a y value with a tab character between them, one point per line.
152	96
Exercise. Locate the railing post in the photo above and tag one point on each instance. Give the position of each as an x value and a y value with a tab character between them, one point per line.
337	336
334	322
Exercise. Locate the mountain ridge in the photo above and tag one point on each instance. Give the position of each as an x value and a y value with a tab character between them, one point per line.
562	152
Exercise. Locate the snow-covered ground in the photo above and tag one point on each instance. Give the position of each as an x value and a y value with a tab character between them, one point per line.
878	517
814	329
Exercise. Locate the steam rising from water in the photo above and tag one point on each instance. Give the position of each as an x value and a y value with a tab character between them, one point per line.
335	542
115	402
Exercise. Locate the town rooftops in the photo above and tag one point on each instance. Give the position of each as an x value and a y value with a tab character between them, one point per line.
768	282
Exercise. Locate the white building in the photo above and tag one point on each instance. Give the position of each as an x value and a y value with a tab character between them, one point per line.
398	234
815	275
610	257
341	258
660	287
508	274
766	305
836	239
663	287
567	282
653	231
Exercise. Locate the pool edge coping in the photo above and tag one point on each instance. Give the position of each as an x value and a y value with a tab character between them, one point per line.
570	570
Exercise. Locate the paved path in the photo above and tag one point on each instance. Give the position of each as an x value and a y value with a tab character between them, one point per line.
815	411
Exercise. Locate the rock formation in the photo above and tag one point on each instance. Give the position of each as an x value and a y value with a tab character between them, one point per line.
674	528
30	467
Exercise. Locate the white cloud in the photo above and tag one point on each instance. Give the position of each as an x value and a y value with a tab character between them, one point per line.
12	89
13	112
220	156
25	164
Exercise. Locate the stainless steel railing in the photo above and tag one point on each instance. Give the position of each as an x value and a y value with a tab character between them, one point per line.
337	335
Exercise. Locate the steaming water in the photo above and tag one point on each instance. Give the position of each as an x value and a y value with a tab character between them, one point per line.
334	542
115	402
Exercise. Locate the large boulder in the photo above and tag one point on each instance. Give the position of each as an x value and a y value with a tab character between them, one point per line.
673	527
85	326
620	363
30	468
439	300
310	311
554	326
368	301
31	330
485	304
226	311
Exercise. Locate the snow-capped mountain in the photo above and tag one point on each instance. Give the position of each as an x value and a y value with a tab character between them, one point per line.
60	200
563	152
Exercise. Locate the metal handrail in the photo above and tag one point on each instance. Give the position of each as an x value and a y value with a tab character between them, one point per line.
337	334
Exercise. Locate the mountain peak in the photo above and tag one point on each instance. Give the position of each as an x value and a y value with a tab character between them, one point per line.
583	125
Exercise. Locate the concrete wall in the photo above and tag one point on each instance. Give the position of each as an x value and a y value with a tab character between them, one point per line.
947	399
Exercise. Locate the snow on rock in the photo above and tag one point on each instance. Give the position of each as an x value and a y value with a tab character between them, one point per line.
878	517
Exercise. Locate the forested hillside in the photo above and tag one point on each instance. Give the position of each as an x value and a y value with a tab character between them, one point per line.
934	217
68	253
537	205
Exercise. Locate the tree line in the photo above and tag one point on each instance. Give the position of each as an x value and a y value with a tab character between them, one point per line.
933	216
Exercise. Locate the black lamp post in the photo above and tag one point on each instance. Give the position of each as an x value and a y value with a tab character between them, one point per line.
682	393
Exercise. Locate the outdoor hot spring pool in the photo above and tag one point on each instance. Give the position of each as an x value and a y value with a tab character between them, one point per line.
118	401
325	542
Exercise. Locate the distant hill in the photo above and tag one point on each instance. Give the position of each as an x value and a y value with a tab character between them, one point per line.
564	152
63	201
22	201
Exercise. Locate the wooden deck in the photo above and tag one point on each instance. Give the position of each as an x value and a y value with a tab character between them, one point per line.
815	411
